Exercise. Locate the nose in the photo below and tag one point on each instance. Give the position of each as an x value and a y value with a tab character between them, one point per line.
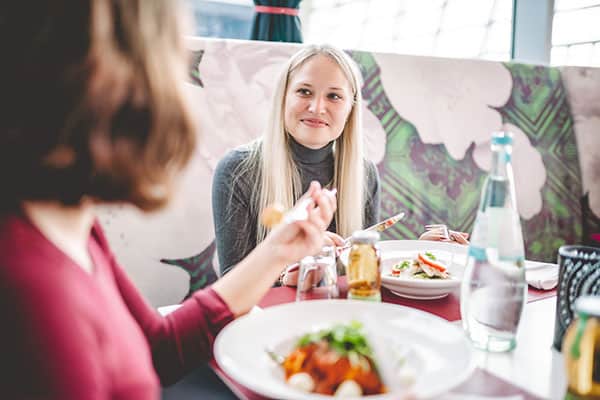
317	105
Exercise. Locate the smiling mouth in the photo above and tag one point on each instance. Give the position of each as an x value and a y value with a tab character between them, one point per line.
314	122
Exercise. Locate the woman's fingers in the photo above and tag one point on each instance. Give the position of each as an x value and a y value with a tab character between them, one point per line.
326	204
314	187
459	237
290	278
324	201
432	235
327	241
439	235
305	237
313	235
334	239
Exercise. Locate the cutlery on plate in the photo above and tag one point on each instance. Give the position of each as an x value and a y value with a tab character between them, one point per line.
278	358
446	234
440	229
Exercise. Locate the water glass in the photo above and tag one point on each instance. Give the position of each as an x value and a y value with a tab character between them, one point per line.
492	298
317	277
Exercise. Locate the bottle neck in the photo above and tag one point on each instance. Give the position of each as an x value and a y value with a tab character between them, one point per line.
497	232
501	155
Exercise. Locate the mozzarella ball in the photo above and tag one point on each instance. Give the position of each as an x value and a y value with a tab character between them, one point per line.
348	388
302	381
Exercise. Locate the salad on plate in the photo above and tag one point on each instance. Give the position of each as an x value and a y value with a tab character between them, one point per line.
425	265
337	361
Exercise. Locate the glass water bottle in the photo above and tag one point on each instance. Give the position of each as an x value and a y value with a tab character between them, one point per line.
493	289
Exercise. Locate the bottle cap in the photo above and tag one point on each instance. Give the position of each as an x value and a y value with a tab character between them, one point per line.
588	305
367	237
502	138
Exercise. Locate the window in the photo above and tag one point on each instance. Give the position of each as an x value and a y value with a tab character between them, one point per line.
576	33
224	19
448	28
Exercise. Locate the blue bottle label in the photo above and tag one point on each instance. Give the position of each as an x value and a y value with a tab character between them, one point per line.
477	253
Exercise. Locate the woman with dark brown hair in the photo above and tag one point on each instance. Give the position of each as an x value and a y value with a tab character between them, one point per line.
93	113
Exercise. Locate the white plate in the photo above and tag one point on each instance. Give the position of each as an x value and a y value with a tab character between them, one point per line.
436	350
394	251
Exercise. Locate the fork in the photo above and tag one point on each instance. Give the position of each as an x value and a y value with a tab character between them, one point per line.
445	234
275	214
277	358
440	229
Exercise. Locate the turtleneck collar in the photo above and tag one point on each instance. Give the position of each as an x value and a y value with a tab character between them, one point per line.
307	155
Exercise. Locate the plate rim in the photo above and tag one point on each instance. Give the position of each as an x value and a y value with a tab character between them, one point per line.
249	383
384	243
411	297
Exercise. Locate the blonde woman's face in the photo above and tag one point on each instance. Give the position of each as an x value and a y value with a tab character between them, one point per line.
318	101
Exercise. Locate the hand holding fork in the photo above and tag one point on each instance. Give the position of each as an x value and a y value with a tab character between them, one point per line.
440	232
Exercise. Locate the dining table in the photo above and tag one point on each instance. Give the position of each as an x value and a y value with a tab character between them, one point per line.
533	370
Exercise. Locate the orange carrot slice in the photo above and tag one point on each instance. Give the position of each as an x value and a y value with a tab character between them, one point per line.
432	263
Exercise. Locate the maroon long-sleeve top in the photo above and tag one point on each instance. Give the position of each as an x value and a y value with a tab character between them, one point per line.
68	334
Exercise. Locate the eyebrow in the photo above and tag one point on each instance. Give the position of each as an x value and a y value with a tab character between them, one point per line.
331	87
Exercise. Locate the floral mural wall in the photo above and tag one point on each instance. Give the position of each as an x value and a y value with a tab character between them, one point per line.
427	122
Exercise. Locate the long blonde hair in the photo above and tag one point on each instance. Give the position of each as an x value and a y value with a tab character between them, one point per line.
271	155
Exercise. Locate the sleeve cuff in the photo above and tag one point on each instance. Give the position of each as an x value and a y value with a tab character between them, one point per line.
216	310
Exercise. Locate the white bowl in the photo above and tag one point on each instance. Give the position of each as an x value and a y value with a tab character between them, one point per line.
436	350
395	251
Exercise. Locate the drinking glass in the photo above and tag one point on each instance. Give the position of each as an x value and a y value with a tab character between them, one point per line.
317	277
578	275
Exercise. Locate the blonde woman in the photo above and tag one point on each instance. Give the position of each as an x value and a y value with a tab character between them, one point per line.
313	133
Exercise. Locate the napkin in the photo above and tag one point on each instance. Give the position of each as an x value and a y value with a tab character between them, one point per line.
541	275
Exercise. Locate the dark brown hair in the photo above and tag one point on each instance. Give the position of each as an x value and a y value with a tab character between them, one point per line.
92	102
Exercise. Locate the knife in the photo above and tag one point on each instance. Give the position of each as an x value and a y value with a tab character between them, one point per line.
379	227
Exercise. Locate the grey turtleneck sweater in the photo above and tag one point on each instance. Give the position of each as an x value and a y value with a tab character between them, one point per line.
235	219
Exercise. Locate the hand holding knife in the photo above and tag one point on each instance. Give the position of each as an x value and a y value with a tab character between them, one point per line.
379	227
